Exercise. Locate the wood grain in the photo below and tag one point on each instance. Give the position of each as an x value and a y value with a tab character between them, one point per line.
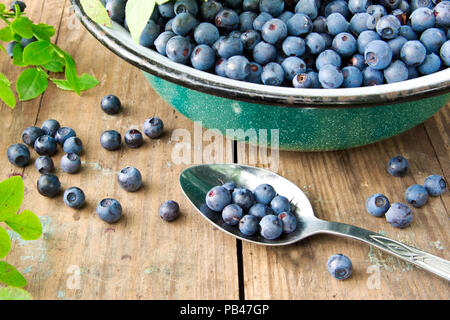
338	184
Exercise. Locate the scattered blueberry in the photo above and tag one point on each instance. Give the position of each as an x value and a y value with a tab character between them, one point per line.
416	195
73	145
44	164
435	185
110	104
130	179
377	204
399	215
30	134
398	166
153	127
48	185
169	210
18	154
339	266
74	197
111	140
50	127
109	210
133	138
64	133
70	163
45	145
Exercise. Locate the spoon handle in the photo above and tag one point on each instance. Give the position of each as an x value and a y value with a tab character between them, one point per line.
429	262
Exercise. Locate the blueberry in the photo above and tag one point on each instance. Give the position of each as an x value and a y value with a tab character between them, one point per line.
110	104
365	38
48	185
273	7
255	73
344	44
18	154
315	43
388	27
153	127
357	6
413	53
206	33
74	197
412	72
396	45
299	24
230	186
264	193
246	20
308	7
203	57
178	49
30	134
339	266
220	67
70	163
271	227
422	19
64	133
237	68
431	64
435	185
44	164
264	52
445	53
390	4
227	19
294	46
260	210
339	6
416	195
73	145
372	77
408	32
183	23
218	198
250	5
289	222
353	77
166	10
376	11
398	166
150	33
260	20
442	14
399	215
336	23
229	46
377	204
168	26
357	61
302	80
161	41
361	22
330	77
111	140
433	39
133	138
130	179
116	10
250	39
249	225
26	41
21	5
210	9
10	48
328	57
169	210
109	210
272	74
182	6
397	71
45	145
231	214
274	31
285	16
414	4
293	66
280	204
50	127
378	54
243	198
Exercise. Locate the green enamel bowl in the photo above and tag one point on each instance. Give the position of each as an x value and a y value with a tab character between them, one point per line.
293	119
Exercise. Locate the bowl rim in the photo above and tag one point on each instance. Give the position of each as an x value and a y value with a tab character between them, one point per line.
152	62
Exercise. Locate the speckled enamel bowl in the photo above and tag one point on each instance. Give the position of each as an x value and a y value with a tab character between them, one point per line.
306	119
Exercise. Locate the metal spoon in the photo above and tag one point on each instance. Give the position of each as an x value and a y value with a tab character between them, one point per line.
196	181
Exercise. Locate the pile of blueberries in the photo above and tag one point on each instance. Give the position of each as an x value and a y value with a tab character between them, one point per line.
301	43
262	210
45	142
399	214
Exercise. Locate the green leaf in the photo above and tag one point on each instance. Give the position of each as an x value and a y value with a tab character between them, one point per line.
13	293
138	12
6	34
71	73
43	31
22	26
5	243
38	53
7	95
10	276
2	7
86	82
54	66
26	224
11	196
31	83
18	55
96	11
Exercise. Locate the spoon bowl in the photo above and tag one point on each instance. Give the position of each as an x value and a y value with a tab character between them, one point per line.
197	180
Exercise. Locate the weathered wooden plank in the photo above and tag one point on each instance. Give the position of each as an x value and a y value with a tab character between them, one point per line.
141	257
338	184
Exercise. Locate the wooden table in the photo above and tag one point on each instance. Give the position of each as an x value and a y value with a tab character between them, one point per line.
143	257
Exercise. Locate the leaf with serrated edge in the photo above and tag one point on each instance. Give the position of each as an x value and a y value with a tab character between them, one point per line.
31	83
10	276
96	11
138	12
11	196
5	243
26	224
6	94
13	293
86	82
38	53
23	26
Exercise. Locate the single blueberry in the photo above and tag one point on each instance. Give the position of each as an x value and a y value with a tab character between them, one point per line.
399	215
109	210
48	185
264	193
70	163
416	195
133	138
353	77
273	74
169	210
206	33
397	71
398	166
18	154
289	222
50	127
280	204
45	145
249	225
44	164
218	198
271	227
231	214
74	197
243	197
435	185
339	266
260	210
73	145
111	140
378	54
64	133
30	134
111	104
153	127
130	179
377	204
330	76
